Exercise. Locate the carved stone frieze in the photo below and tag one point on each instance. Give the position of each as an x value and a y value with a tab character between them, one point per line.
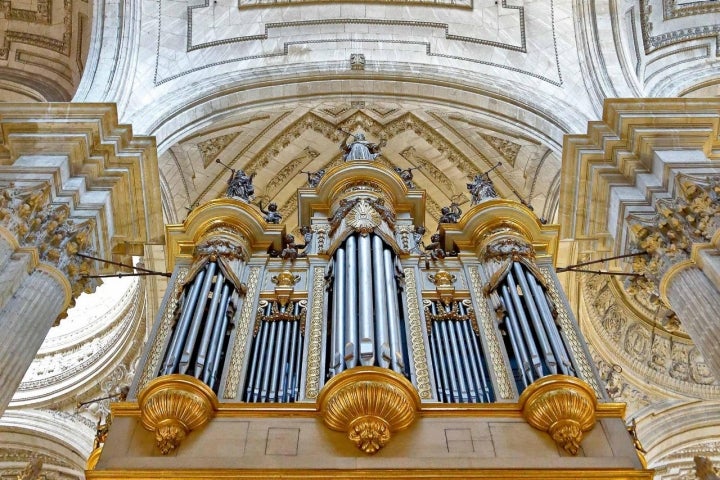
648	349
508	150
209	149
28	212
508	247
221	247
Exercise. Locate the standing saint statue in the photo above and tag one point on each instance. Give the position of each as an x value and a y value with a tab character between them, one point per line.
359	148
481	188
240	185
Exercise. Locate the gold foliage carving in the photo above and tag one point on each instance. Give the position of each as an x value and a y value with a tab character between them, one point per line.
562	406
315	345
174	405
369	403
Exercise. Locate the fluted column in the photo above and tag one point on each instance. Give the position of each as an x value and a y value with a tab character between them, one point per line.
72	181
696	301
26	316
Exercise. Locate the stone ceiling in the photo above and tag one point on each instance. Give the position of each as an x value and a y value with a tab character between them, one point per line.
277	146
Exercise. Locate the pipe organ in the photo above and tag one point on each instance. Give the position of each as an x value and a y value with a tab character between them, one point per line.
364	326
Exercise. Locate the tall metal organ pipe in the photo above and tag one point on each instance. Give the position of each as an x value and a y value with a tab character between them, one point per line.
198	339
536	346
366	314
273	372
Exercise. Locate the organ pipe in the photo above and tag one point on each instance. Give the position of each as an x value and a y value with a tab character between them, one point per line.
198	338
457	359
273	371
535	346
366	314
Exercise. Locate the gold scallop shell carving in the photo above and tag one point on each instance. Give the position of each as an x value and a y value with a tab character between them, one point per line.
369	403
174	405
562	406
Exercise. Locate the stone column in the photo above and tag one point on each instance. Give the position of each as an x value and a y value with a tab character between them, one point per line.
696	302
71	181
680	264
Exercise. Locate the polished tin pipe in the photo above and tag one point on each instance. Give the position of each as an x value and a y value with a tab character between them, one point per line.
442	356
181	329
471	377
457	361
205	338
454	396
382	336
394	318
267	364
218	338
338	315
190	344
275	376
516	339
561	353
524	325
366	331
530	302
351	296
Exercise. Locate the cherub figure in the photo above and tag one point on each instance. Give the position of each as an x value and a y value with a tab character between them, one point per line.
271	214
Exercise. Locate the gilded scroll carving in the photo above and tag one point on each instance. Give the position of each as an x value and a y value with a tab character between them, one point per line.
417	344
312	380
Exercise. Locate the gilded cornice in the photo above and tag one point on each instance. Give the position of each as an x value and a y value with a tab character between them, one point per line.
378	180
495	219
225	217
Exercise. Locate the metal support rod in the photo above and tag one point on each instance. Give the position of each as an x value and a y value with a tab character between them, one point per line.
532	307
218	338
210	318
351	296
118	264
591	262
197	319
382	336
366	331
524	325
181	328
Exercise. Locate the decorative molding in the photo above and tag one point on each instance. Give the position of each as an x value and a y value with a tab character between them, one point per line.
417	342
369	403
505	390
211	148
312	379
237	358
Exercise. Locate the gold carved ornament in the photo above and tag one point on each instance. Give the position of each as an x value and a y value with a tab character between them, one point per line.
562	406
174	405
369	403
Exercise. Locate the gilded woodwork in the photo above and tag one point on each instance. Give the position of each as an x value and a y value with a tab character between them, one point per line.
284	286
312	380
237	357
417	342
172	406
369	403
562	406
444	285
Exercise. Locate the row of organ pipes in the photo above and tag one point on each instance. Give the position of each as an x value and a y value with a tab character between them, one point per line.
365	311
365	317
199	338
536	347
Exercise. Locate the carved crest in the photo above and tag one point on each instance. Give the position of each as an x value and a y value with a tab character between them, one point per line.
363	218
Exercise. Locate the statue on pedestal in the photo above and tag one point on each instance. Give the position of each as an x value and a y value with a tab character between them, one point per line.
359	148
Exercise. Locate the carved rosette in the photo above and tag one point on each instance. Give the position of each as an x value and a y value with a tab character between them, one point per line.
174	405
562	406
369	403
